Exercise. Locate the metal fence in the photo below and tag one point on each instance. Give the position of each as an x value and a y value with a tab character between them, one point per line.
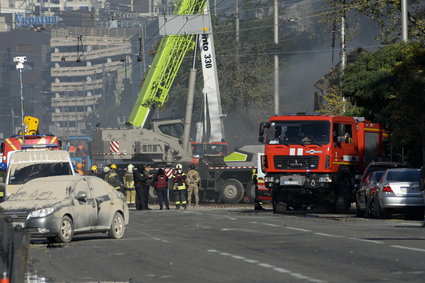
14	244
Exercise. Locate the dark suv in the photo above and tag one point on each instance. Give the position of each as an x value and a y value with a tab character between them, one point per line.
380	166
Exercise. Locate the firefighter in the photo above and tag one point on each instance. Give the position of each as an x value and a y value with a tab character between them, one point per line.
94	171
179	187
129	188
193	181
258	205
112	177
80	168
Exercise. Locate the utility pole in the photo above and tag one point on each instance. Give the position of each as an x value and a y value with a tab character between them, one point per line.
20	60
237	20
343	49
404	31
276	58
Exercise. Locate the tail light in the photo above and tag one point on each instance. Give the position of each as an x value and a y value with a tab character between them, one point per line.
387	189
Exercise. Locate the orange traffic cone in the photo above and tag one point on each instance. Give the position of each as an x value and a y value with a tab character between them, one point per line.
4	279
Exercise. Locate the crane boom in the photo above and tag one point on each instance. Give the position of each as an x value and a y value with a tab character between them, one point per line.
165	66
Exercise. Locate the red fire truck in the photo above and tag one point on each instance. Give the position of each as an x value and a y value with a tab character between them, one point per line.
314	159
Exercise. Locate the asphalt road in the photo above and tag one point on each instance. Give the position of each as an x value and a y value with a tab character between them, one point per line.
239	245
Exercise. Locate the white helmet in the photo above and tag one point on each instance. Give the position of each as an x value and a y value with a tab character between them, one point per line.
106	169
179	166
130	167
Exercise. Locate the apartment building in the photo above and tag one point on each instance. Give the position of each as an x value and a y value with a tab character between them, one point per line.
83	61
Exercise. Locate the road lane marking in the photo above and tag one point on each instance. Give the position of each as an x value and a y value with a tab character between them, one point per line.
270	266
408	248
272	225
328	235
298	229
366	240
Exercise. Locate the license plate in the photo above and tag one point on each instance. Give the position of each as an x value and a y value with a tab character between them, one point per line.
290	182
20	224
404	190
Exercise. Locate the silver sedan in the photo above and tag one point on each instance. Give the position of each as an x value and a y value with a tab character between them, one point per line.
61	206
399	189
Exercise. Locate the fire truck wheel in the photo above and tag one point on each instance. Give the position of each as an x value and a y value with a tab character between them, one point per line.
343	194
231	191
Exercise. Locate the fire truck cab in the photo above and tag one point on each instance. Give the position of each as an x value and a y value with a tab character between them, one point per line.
311	158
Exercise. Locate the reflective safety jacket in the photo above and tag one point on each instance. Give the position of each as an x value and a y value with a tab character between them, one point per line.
128	180
179	181
112	178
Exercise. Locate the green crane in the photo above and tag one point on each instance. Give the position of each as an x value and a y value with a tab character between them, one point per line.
165	66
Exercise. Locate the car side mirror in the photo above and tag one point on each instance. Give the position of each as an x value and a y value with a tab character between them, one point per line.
81	196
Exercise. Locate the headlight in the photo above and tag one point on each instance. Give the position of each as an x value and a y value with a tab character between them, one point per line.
41	212
325	179
269	179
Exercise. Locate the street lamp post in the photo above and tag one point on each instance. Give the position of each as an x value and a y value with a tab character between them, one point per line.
20	60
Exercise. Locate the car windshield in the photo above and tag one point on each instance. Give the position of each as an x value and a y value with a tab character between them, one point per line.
299	132
403	176
46	190
23	173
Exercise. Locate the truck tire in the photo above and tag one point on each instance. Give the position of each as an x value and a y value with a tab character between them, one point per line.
343	195
279	206
250	192
153	197
231	191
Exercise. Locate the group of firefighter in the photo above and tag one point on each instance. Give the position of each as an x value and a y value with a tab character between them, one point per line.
135	185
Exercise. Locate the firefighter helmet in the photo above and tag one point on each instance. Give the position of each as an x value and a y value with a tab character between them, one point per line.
79	165
93	168
106	169
130	167
113	166
179	166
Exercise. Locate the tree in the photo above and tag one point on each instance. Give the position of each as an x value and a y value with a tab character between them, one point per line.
389	86
387	15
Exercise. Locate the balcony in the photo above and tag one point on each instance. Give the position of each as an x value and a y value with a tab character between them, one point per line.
75	101
85	70
77	86
93	54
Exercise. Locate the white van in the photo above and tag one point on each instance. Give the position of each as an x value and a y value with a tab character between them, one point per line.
25	165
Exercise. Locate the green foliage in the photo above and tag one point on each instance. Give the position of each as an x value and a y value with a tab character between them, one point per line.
390	86
387	15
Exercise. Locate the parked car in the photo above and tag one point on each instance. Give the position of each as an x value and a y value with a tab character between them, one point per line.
380	166
366	193
399	189
60	206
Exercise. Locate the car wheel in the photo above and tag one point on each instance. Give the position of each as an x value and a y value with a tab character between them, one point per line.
231	191
382	212
66	230
117	226
359	212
